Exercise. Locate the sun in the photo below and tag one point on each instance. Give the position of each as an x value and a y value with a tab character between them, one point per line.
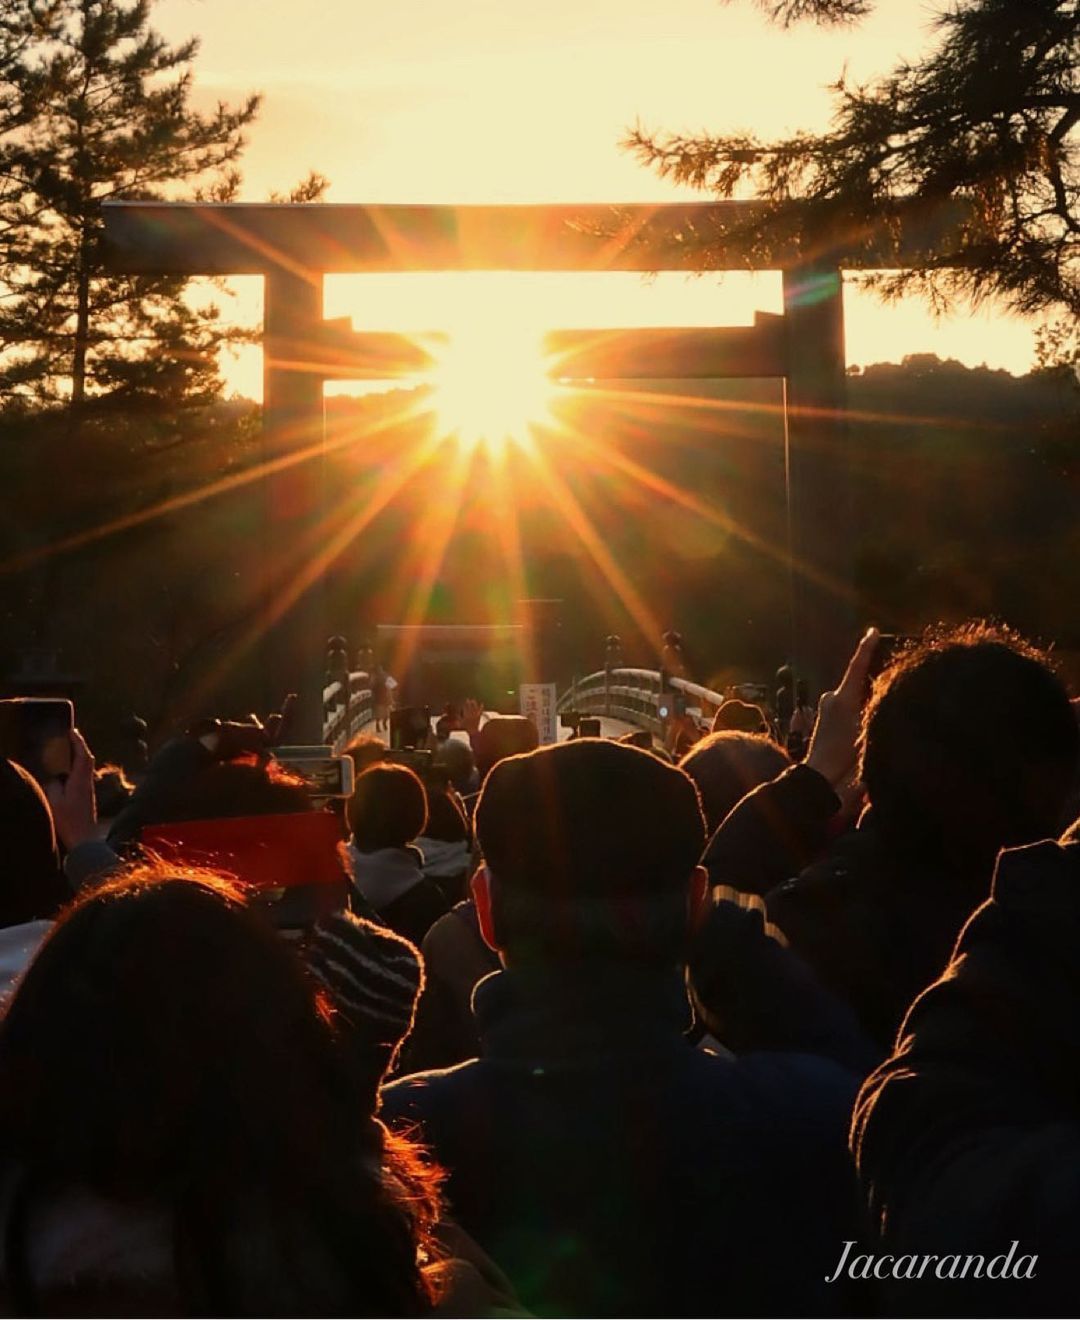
491	386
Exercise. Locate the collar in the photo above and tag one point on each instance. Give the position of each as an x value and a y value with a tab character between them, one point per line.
385	874
565	1012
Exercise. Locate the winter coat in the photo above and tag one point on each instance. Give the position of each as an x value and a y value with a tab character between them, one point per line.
968	1138
876	925
611	1169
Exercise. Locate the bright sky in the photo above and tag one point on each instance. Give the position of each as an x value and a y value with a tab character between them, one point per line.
512	101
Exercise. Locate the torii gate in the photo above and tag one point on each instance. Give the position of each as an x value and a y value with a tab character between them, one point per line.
293	246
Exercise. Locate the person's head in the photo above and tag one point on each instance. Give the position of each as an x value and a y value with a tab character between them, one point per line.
456	757
269	853
366	750
740	716
968	744
802	692
447	821
388	808
209	1083
591	850
503	736
727	765
31	887
224	789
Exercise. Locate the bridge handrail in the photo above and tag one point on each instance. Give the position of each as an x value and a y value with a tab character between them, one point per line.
696	690
347	708
631	694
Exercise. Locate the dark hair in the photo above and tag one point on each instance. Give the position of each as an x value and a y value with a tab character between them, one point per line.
740	716
503	736
456	757
727	765
112	790
590	845
208	1083
969	744
225	789
365	751
31	886
388	808
446	820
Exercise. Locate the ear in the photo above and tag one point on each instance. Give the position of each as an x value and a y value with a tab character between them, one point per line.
481	892
697	902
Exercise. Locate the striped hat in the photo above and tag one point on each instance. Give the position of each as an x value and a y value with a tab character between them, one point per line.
374	978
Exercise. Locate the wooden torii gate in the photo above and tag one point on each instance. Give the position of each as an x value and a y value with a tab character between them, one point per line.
293	246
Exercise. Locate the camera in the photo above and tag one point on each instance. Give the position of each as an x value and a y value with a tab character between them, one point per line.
409	727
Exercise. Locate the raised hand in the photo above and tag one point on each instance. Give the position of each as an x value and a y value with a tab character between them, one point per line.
471	715
834	742
74	809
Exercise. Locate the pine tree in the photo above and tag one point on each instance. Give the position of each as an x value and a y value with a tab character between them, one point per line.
988	118
99	108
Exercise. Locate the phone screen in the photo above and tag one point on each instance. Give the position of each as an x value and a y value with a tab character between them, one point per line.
329	776
36	732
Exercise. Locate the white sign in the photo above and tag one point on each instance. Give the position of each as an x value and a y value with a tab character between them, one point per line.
538	704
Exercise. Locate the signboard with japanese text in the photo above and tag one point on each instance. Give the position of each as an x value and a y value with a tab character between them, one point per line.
538	704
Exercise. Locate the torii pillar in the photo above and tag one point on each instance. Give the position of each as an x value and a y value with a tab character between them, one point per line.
293	246
818	469
294	497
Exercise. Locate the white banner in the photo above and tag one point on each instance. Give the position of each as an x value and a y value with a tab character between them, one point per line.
538	704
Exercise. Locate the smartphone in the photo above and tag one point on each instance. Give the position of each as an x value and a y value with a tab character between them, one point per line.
328	776
569	719
589	727
36	732
409	725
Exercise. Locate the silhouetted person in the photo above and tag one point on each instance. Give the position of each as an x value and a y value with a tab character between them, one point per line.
967	745
727	765
968	1138
386	814
608	1167
221	1158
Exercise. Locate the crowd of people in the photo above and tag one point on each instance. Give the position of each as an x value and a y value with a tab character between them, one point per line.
776	1027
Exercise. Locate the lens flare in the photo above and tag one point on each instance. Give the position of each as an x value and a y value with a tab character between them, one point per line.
491	387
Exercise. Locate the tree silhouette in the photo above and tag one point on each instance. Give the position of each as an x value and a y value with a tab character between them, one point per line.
95	106
987	118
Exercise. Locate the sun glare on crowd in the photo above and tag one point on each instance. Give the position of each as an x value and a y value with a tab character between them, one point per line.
491	386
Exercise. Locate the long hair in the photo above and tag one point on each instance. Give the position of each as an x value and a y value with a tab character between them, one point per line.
167	1048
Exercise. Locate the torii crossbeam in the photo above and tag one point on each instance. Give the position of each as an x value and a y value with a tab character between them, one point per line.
293	246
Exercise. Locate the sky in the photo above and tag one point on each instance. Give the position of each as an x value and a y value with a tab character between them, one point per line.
512	101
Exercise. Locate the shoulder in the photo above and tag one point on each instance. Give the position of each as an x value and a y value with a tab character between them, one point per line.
785	1092
415	1097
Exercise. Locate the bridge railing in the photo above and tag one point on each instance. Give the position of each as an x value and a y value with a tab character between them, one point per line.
635	697
347	707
